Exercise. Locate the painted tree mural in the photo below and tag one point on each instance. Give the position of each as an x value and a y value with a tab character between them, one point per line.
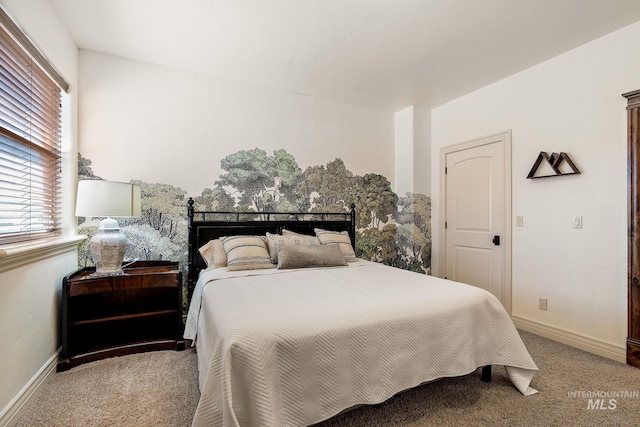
414	231
392	230
216	199
253	175
374	199
329	187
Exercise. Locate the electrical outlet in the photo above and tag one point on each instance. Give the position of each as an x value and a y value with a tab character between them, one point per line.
577	221
542	304
519	221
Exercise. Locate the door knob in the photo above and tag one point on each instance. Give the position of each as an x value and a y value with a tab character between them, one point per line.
496	240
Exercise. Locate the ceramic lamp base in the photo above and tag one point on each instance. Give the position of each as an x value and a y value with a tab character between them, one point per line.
108	248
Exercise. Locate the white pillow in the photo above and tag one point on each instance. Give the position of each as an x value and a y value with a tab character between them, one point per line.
213	254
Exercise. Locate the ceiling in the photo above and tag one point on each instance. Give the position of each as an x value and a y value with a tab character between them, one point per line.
381	54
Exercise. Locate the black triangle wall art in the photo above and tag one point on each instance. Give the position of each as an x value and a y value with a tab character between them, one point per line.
554	160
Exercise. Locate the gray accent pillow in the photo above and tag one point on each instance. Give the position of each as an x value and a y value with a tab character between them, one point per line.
293	256
339	238
275	240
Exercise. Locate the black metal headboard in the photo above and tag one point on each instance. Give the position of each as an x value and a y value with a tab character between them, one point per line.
208	225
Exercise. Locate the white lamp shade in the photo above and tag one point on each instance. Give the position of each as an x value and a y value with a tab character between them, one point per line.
107	198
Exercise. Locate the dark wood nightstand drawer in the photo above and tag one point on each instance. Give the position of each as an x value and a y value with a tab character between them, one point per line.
139	310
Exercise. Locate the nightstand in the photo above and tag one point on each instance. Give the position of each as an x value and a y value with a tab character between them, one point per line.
106	316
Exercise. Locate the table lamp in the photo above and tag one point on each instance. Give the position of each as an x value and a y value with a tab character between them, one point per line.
97	198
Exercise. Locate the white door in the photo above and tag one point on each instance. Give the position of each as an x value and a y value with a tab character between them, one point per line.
476	239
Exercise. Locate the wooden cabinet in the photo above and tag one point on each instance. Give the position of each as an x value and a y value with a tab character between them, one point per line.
633	171
139	310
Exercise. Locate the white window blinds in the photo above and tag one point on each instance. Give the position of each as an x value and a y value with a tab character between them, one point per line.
30	121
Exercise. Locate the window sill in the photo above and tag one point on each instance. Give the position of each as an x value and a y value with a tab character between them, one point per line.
13	256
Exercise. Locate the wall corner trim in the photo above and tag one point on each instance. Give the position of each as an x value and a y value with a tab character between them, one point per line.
602	348
11	414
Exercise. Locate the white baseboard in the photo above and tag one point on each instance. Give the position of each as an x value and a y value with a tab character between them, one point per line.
15	409
606	349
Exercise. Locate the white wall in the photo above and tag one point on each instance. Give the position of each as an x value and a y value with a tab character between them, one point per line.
404	152
147	122
412	151
30	295
570	103
422	150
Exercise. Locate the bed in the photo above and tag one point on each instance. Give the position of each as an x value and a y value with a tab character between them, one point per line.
296	346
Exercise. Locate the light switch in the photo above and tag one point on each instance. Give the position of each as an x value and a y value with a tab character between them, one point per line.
519	221
577	221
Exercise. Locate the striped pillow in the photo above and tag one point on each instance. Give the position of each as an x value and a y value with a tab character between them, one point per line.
246	253
275	240
340	238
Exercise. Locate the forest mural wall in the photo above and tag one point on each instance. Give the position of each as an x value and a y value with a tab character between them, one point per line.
391	229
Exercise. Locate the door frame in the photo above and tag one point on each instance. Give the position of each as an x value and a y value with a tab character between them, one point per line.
505	137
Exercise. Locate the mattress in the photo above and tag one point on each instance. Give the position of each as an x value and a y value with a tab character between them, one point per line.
295	347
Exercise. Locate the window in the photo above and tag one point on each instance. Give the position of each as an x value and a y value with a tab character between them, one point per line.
30	122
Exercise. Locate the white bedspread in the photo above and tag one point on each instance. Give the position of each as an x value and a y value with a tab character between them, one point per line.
292	348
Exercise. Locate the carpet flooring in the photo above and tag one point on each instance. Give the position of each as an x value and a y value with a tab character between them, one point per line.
161	389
